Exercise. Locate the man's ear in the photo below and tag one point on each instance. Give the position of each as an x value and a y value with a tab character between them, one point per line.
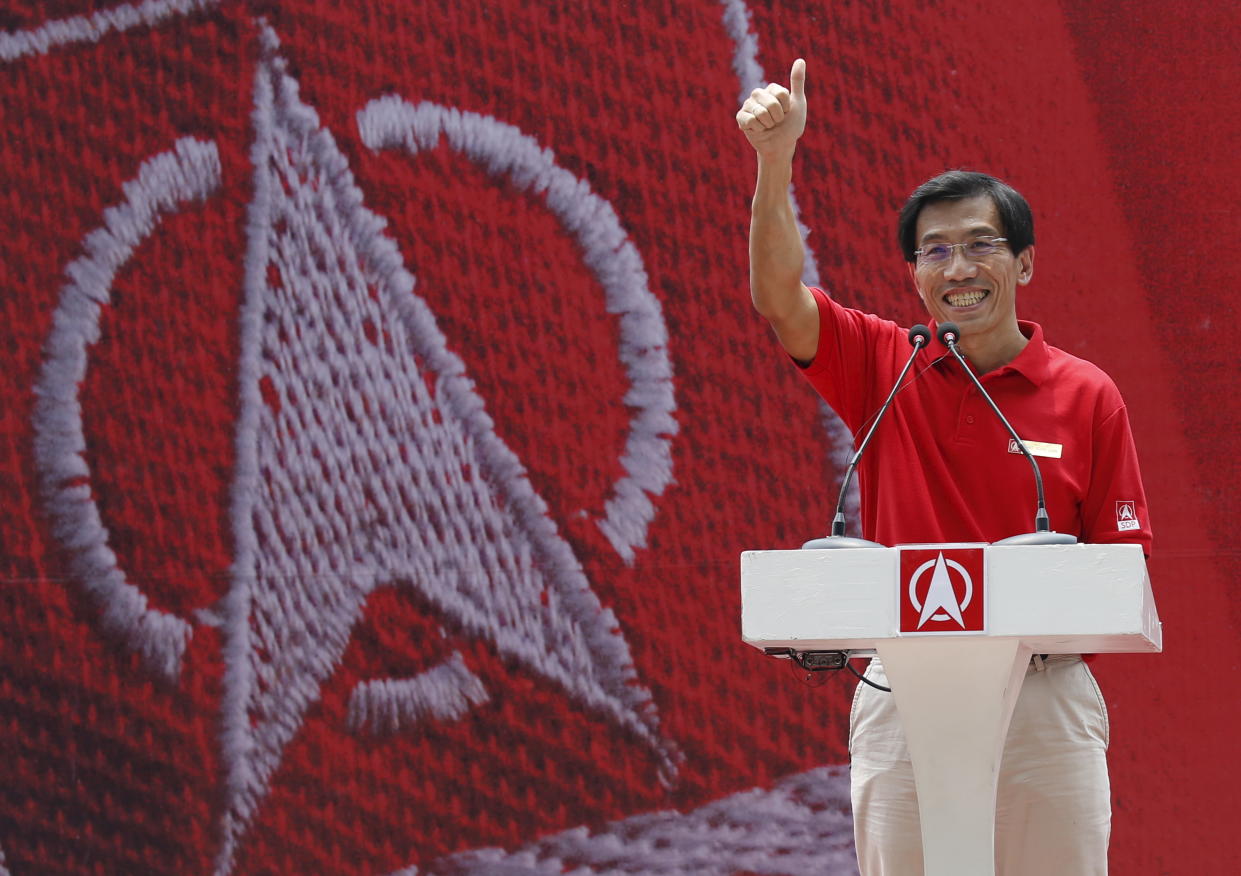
1025	266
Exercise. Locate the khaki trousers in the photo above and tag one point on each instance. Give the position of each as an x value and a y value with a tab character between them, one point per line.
1053	810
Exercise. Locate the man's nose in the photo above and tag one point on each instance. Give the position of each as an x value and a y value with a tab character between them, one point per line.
959	266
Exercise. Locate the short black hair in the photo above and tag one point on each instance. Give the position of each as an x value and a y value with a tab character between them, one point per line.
1015	217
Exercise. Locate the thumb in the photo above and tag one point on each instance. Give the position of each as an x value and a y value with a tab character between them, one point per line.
797	79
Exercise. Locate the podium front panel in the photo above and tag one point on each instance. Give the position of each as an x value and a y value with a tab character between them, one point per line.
1054	598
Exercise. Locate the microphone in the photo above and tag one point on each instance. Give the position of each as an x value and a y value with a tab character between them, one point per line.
919	337
949	335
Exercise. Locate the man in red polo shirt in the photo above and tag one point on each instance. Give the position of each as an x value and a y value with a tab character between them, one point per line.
941	468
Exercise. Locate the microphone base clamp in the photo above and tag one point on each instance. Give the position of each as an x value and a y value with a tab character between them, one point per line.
838	541
1027	538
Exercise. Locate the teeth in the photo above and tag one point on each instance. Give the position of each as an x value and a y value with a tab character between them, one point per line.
966	298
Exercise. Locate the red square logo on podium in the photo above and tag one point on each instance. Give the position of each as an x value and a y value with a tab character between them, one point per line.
943	589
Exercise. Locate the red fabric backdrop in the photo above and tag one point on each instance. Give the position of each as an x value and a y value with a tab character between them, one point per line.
249	751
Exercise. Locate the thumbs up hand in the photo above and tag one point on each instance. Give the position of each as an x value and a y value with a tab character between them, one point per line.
773	118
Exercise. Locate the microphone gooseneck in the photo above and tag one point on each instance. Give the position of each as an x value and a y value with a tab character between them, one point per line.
949	334
919	337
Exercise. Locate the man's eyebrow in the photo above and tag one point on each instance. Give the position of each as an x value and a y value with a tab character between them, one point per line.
975	231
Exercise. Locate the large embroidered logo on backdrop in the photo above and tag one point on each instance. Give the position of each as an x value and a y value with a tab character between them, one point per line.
329	505
331	326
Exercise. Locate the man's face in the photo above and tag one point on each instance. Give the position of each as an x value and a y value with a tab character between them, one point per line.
978	294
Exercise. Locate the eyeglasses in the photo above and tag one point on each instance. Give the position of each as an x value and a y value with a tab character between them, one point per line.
979	247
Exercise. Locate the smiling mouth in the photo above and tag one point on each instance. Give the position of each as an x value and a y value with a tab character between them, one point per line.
965	297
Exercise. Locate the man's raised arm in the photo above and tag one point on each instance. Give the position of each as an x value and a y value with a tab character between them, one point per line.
773	119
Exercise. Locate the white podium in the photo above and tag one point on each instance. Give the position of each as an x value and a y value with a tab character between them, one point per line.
955	688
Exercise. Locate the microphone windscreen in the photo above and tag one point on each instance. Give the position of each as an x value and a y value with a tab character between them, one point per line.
948	332
919	331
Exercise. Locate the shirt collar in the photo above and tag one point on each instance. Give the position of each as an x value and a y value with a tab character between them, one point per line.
1032	362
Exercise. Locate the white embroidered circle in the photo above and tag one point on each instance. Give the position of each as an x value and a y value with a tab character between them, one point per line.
190	171
503	150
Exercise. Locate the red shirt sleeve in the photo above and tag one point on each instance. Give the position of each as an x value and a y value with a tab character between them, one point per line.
854	356
1114	510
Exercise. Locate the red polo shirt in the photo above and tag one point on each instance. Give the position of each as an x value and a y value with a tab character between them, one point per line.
940	468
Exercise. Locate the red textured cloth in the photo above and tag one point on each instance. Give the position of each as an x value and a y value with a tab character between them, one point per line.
940	468
108	766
